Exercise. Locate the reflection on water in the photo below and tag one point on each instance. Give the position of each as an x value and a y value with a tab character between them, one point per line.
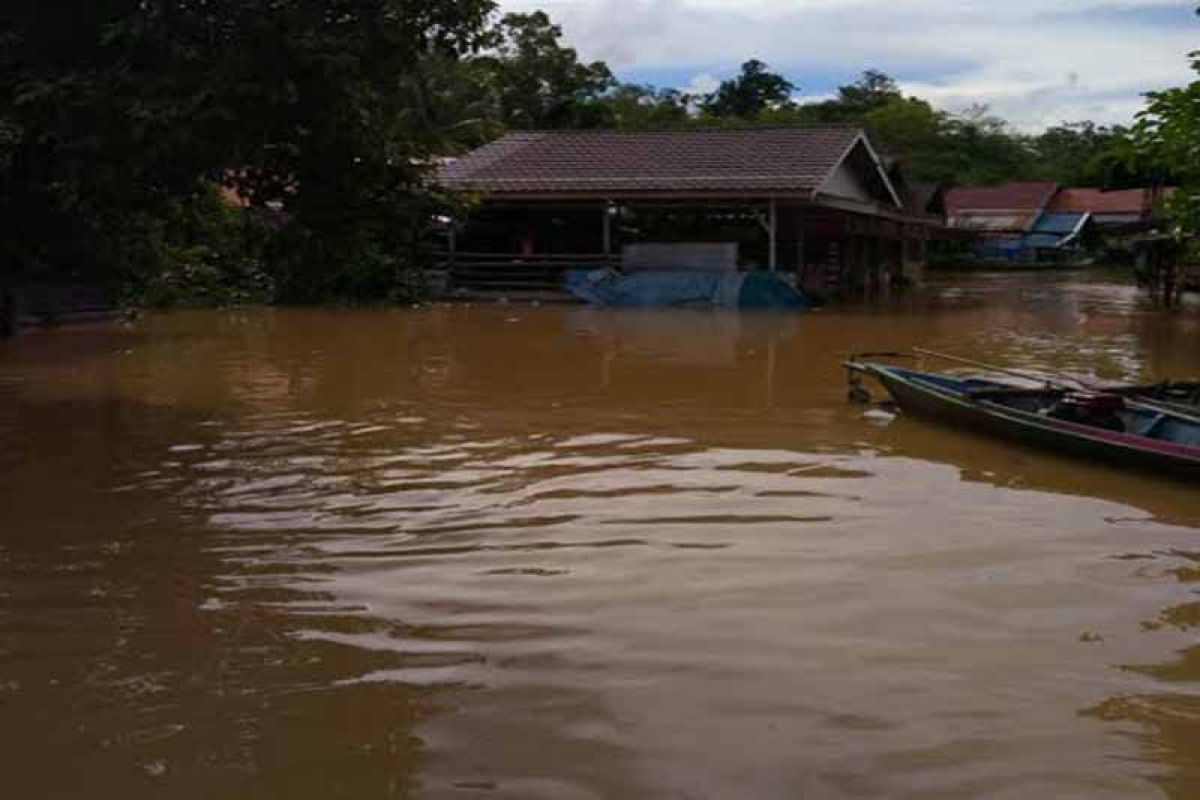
1163	713
520	551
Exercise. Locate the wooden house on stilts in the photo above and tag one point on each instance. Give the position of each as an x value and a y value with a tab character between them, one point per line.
813	201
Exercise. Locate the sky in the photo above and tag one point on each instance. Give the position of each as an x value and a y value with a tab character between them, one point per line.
1035	63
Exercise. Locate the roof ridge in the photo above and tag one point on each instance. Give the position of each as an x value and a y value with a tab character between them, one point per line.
831	126
780	157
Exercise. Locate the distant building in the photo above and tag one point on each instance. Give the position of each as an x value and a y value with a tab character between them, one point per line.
1044	221
1001	217
812	201
1110	209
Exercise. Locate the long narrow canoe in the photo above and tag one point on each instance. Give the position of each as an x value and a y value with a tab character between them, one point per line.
1123	432
1183	398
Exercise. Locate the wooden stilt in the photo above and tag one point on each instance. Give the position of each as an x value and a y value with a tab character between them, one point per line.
772	228
606	230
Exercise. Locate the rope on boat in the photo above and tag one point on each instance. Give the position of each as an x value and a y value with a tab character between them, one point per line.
1029	376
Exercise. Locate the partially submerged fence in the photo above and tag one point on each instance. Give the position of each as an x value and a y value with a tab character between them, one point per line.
508	272
46	304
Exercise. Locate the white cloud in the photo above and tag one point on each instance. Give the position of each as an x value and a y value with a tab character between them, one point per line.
803	98
703	83
1034	62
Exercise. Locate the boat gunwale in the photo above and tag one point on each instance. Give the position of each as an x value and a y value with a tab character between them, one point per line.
1189	454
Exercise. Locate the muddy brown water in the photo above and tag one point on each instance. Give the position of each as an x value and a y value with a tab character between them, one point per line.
552	552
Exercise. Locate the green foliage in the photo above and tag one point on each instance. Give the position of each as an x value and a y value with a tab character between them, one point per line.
644	107
110	112
1077	153
975	148
453	99
199	251
871	92
854	102
752	92
909	127
1165	142
538	83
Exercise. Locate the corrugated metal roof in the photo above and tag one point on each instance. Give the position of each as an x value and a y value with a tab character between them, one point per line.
1027	197
1127	201
997	223
794	159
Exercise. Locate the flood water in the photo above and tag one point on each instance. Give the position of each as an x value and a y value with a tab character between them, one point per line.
509	551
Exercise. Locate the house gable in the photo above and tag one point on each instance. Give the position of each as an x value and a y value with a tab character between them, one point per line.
849	184
859	176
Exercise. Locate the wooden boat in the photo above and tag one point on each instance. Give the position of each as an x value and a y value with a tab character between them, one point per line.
1180	396
1104	426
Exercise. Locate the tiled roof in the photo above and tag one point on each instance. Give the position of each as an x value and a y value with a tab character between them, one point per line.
1127	201
1030	197
233	197
792	160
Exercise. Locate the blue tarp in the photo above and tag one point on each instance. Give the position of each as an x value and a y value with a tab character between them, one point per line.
1007	248
1043	240
667	288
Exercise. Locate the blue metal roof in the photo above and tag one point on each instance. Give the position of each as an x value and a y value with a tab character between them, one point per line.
1062	222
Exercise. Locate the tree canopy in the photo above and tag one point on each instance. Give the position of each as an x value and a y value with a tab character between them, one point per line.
1165	144
113	110
752	92
536	81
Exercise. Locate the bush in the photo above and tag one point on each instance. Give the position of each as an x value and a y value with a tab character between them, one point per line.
200	251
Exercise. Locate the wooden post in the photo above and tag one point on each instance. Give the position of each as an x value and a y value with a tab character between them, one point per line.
771	359
8	313
452	245
607	230
772	227
800	248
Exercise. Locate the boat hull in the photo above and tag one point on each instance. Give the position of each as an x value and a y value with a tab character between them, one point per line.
1112	447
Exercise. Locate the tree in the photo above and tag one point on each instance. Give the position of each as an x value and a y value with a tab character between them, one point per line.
453	99
538	83
633	106
979	148
752	92
122	106
871	92
1165	142
321	94
906	127
1075	153
97	133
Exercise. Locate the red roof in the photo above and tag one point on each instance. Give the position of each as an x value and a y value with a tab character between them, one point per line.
233	197
1028	197
790	160
1095	201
